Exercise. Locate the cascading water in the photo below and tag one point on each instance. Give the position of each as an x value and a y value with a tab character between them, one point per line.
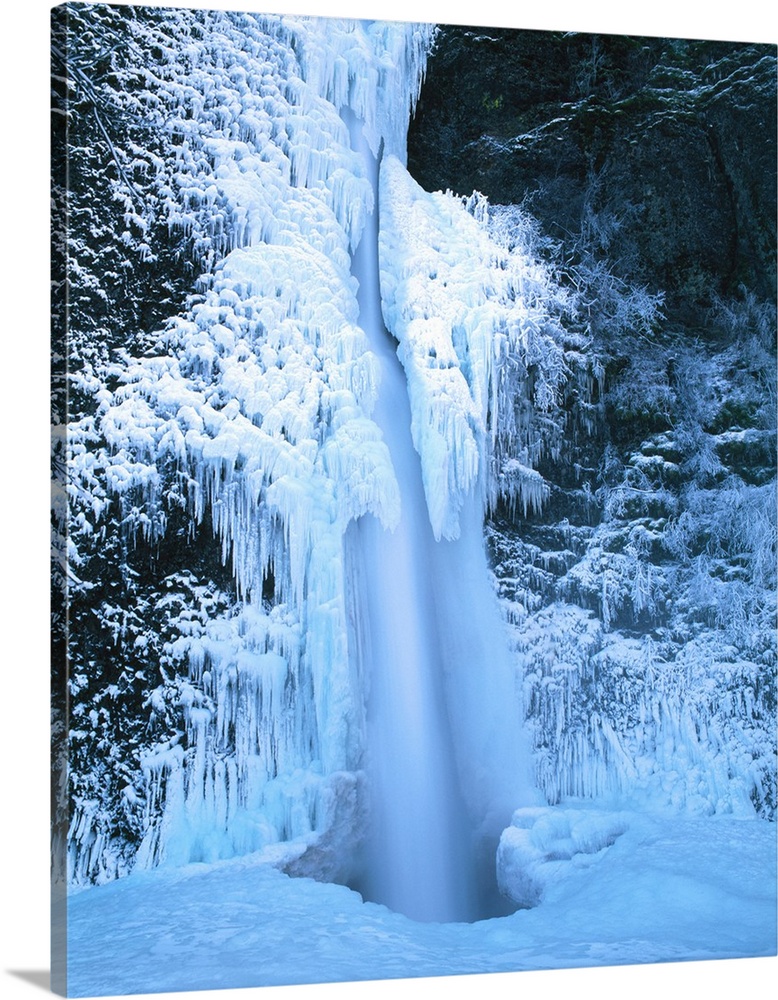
420	626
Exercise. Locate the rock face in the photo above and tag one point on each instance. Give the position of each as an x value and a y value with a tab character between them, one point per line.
641	595
659	152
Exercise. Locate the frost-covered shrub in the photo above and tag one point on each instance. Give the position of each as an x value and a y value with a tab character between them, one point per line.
641	399
667	694
613	309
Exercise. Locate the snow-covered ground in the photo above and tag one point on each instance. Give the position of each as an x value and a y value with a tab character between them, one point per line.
667	889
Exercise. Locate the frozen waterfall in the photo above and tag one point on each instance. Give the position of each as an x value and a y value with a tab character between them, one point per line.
427	626
348	650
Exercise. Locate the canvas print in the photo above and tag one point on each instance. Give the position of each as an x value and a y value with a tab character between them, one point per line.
414	583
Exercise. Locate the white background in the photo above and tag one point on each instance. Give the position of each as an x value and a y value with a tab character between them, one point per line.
24	336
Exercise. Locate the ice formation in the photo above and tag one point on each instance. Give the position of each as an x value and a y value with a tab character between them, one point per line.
481	342
258	403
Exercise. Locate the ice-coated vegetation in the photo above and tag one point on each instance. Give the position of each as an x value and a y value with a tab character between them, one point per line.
644	620
251	410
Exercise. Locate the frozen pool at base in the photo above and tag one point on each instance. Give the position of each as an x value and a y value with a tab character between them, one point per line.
666	889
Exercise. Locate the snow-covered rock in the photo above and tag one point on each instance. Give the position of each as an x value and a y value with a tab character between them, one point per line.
543	846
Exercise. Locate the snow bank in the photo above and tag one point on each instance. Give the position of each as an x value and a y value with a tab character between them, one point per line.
671	890
543	846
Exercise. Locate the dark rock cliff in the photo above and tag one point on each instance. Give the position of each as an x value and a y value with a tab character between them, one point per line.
659	152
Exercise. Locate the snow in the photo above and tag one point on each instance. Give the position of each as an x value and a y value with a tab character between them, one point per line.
628	888
543	846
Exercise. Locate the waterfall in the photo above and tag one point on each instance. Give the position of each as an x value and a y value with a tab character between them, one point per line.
427	615
419	838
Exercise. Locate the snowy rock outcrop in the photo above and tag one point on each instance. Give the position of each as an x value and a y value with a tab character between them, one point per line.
543	846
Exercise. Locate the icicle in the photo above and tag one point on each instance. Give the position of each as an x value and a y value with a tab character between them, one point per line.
262	397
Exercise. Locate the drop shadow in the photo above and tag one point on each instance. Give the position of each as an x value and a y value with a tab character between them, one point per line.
38	977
